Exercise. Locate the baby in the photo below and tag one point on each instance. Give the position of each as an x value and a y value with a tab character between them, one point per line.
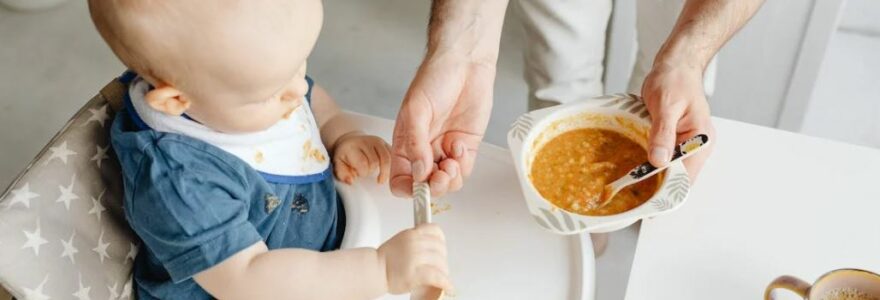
225	146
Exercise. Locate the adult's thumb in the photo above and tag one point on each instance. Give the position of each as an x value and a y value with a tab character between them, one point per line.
661	139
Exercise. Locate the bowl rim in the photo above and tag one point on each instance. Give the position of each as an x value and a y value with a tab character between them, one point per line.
671	194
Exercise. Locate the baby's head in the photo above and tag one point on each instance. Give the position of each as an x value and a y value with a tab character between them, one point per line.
233	65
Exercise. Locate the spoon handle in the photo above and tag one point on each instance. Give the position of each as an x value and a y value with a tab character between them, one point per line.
683	150
645	170
422	215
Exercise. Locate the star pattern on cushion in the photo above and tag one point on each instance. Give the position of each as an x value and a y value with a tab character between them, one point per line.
69	249
60	152
100	155
113	290
83	292
37	292
67	193
99	115
132	252
101	249
97	207
126	289
34	239
50	223
22	195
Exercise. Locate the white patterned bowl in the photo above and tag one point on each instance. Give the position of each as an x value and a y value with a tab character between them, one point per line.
622	113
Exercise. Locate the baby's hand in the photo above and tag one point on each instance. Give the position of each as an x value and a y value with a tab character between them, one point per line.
414	258
357	154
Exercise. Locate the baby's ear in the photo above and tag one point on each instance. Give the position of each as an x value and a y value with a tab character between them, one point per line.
167	100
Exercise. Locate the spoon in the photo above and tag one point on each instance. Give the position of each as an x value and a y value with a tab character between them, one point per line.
646	169
422	215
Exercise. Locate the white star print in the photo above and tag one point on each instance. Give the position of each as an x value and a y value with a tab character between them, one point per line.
67	193
97	208
60	152
37	293
113	293
83	292
69	249
98	115
34	239
22	195
132	251
101	249
126	290
100	155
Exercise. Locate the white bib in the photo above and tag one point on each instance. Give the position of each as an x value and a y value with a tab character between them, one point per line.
290	151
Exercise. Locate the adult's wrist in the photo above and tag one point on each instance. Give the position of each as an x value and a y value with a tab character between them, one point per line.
466	31
681	51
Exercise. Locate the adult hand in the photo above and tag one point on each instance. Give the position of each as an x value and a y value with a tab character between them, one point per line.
674	95
440	125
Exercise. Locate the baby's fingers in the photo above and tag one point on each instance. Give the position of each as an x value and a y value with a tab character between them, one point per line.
434	277
343	171
384	162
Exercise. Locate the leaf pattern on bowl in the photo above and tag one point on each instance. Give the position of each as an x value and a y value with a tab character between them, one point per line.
627	102
522	126
558	221
678	190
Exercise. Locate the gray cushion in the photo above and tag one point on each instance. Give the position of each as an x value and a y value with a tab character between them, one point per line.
62	233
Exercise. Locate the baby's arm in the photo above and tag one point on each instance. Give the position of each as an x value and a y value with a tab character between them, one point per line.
330	118
412	258
354	152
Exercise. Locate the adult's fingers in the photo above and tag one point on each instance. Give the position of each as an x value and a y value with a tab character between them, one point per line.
661	140
439	182
411	140
401	185
451	167
462	147
695	163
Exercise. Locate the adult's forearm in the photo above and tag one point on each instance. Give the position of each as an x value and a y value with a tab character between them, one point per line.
703	27
466	28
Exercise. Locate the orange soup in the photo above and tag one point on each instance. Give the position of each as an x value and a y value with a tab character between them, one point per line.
571	171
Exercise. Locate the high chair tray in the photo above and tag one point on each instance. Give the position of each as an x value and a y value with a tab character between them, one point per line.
496	251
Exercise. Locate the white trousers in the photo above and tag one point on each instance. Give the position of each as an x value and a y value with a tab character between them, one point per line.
566	42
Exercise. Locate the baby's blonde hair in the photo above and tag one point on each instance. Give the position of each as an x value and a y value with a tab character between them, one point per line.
209	49
123	25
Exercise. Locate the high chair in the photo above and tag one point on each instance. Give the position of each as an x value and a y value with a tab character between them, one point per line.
62	230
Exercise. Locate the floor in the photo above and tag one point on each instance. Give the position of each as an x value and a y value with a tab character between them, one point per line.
52	62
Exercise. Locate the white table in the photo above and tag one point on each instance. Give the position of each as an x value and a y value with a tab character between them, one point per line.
768	203
496	251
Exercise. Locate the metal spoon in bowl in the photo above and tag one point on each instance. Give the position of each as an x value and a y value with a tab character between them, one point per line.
646	169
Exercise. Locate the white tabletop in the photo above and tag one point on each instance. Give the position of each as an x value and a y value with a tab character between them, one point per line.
496	251
768	203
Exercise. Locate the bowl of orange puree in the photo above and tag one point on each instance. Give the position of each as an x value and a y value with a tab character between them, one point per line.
564	155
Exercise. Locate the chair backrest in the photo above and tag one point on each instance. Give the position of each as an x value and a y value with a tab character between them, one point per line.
62	231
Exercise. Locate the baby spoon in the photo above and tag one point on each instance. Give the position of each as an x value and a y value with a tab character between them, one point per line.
422	215
646	169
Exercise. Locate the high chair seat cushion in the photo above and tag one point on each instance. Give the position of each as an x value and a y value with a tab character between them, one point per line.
62	232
